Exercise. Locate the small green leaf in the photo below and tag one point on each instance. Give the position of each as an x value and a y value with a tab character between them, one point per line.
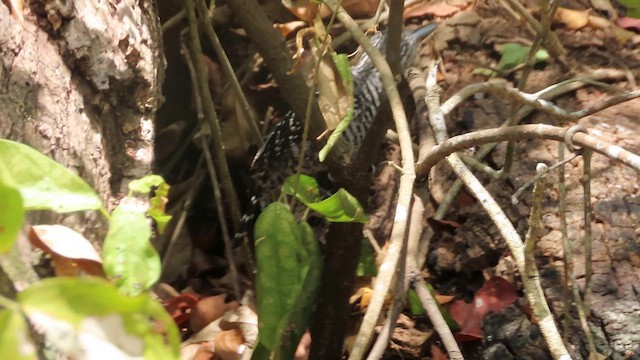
515	54
414	303
367	263
279	270
15	341
94	307
307	190
340	207
43	183
633	8
11	218
342	64
160	189
129	259
146	184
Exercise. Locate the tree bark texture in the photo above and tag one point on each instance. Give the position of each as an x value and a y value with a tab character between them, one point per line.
80	81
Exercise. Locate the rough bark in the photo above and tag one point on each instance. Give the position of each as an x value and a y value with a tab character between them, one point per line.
80	81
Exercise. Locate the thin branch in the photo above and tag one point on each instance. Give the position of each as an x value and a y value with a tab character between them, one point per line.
228	246
533	289
524	132
211	116
387	269
229	72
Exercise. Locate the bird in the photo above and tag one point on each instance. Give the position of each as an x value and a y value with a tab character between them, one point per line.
277	159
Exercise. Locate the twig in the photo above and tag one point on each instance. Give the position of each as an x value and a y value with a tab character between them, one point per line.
211	116
546	94
522	132
588	245
228	71
533	288
531	277
228	246
387	269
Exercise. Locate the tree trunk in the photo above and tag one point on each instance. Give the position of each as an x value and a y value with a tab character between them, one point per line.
80	81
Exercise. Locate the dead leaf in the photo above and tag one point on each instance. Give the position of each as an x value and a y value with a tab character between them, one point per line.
598	22
629	23
229	345
208	310
424	8
180	308
287	28
573	19
622	35
17	10
71	252
496	294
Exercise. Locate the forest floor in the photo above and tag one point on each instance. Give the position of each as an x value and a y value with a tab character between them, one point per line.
467	253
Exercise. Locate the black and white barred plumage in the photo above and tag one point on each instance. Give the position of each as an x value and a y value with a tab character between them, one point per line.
278	157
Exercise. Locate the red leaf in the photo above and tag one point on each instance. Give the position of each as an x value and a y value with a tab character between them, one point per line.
496	294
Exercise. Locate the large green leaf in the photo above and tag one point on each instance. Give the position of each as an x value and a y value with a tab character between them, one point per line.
11	216
15	342
43	183
128	257
339	207
279	269
93	309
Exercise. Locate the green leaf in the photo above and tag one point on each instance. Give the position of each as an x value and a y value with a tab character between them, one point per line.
279	269
128	257
95	309
11	217
633	8
342	64
148	183
294	326
414	303
15	341
160	189
340	207
307	190
367	262
515	54
43	183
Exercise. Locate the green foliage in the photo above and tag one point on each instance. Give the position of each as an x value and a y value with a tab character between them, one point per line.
43	183
15	342
515	54
367	262
284	257
88	304
289	264
129	258
342	64
12	216
160	189
633	8
31	181
339	207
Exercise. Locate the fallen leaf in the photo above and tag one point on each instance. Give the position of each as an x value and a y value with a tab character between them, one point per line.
71	252
289	27
180	308
629	23
209	309
229	345
496	294
439	9
573	19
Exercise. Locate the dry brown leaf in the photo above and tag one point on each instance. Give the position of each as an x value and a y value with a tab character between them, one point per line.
208	310
229	345
598	22
71	252
439	9
622	35
287	28
573	19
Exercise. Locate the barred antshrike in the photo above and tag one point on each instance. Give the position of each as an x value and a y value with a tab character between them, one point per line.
278	157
